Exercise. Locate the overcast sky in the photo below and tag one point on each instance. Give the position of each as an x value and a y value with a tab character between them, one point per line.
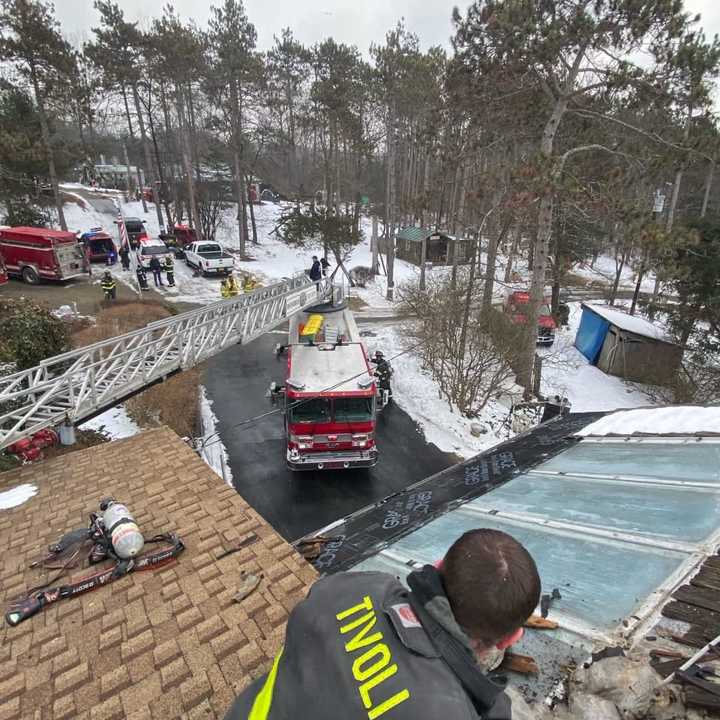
358	22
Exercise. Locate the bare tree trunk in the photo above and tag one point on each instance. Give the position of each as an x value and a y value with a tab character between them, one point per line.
149	169
186	155
374	244
426	190
511	256
242	237
640	276
708	185
160	193
493	246
541	246
390	210
459	223
128	174
618	274
252	216
49	154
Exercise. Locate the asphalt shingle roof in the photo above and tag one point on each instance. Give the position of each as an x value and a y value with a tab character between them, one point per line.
154	645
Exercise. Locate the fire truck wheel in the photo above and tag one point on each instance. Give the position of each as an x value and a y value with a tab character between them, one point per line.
30	276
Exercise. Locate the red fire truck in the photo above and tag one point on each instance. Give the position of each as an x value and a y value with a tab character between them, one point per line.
330	394
36	254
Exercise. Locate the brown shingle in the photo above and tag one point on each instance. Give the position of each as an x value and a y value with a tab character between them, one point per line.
155	645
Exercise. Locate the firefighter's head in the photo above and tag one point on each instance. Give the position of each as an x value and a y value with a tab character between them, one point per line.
493	587
379	355
107	275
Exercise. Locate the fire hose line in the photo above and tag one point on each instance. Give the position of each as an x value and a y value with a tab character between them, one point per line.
200	443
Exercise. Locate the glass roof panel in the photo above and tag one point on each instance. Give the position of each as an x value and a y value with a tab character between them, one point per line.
698	461
685	514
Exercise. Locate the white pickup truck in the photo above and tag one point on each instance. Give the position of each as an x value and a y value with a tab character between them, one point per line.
208	257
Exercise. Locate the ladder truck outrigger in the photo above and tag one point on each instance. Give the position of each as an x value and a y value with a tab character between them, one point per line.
330	394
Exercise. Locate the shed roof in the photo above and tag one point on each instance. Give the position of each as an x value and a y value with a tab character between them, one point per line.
418	234
630	323
154	645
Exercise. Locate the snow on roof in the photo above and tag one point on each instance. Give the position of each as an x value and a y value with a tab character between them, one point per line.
632	324
338	369
677	420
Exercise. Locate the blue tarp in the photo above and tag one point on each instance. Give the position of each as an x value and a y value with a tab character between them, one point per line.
591	335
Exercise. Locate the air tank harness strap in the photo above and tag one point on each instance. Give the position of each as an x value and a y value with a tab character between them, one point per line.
28	606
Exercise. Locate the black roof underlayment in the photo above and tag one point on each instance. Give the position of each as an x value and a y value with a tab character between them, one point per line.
369	530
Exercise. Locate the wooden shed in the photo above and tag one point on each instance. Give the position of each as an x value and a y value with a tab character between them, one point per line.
419	245
627	346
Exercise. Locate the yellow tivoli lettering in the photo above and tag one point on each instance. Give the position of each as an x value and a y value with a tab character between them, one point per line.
359	674
366	604
360	641
366	687
389	704
357	622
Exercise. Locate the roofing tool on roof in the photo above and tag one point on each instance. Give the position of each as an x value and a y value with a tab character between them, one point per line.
112	534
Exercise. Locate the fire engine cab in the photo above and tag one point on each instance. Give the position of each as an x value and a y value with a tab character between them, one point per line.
330	394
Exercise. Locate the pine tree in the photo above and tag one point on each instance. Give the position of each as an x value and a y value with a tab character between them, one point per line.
31	41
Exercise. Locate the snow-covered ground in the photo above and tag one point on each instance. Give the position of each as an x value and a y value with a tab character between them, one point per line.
114	424
416	392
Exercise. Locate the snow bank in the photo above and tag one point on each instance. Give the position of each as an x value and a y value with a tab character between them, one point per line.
214	452
114	424
415	391
676	420
16	496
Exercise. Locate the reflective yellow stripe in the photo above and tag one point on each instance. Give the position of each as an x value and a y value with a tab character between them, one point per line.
263	700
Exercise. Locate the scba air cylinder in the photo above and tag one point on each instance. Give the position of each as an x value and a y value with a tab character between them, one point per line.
121	528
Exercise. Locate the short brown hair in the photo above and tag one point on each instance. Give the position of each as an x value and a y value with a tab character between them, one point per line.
492	584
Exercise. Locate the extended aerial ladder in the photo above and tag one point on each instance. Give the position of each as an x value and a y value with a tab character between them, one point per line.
82	383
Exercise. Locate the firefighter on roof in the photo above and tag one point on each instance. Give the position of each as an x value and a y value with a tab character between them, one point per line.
362	646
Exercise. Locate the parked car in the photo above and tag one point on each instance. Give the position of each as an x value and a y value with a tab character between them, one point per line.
208	257
99	246
149	248
516	307
36	254
135	228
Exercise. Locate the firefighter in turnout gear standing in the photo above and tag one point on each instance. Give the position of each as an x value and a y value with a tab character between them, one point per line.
108	286
363	647
169	268
233	287
384	372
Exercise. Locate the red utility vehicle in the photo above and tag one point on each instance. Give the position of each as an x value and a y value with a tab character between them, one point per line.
516	306
36	254
330	394
180	237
